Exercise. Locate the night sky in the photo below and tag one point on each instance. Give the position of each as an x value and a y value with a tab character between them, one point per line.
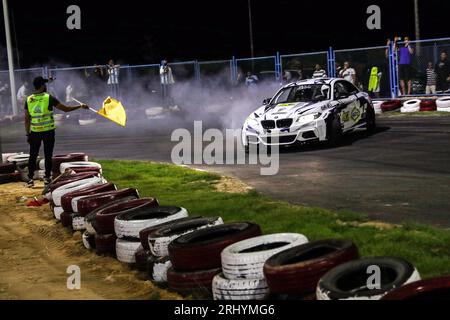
135	32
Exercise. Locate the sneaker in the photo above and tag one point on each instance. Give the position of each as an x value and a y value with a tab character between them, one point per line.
30	183
47	181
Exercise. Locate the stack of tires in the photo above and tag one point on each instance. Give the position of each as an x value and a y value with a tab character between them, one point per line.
57	160
242	276
155	254
195	257
129	223
443	104
8	173
409	106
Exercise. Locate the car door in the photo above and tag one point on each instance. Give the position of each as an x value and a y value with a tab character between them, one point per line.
351	111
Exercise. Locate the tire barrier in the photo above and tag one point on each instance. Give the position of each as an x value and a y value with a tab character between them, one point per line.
66	199
157	268
428	105
90	203
78	222
71	157
79	164
160	239
84	169
391	105
200	250
66	219
5	156
239	289
88	240
128	224
19	159
425	290
141	256
349	281
57	211
90	223
66	180
105	216
126	250
105	244
245	259
194	281
443	104
143	234
6	168
412	105
87	122
296	271
377	106
10	177
75	186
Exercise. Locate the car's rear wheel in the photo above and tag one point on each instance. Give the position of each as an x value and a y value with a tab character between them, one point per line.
335	132
370	119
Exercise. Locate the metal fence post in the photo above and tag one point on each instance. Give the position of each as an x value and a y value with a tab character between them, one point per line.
197	70
330	63
278	67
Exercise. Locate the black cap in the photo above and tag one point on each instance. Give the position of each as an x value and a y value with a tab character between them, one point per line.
39	82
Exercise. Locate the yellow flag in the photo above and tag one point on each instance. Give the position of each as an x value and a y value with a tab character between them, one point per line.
113	110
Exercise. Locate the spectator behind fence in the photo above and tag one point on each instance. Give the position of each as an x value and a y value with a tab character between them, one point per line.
22	94
3	97
443	72
167	81
405	71
348	73
319	72
113	78
431	79
251	80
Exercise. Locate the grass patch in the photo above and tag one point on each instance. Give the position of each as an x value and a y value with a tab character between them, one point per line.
428	248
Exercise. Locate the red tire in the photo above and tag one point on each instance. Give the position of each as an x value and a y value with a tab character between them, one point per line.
431	289
66	219
72	178
58	159
391	105
66	200
192	282
105	217
105	244
10	177
143	234
428	105
200	250
297	270
90	203
6	168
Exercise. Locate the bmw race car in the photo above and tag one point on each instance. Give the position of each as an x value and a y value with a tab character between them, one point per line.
309	110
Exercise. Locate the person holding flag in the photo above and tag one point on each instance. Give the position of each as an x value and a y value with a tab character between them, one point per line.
40	126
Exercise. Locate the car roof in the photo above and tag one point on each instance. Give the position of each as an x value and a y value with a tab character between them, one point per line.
328	81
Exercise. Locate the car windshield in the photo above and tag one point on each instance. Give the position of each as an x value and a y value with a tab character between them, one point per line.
303	93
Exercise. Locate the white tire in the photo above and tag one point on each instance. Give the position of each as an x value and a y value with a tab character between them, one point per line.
5	156
126	250
159	246
74	186
239	261
87	122
19	159
443	104
155	112
131	228
42	164
85	237
160	268
412	105
241	289
377	106
57	212
78	223
78	164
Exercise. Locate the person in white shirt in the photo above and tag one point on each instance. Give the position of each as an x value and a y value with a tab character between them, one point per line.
166	76
113	78
319	72
348	73
22	94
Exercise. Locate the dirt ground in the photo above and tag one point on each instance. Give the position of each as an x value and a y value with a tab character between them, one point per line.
35	251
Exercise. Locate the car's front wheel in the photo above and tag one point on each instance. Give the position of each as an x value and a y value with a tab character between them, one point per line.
335	132
370	119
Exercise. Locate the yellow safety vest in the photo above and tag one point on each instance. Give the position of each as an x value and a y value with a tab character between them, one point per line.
41	117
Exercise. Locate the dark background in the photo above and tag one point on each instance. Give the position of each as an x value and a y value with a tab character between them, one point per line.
146	31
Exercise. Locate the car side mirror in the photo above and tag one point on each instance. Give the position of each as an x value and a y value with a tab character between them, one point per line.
266	101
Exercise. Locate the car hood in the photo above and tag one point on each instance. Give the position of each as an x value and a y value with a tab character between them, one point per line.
289	110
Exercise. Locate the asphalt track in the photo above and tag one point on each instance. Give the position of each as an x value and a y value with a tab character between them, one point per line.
401	173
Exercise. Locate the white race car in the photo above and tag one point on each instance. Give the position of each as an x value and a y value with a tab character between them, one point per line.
308	110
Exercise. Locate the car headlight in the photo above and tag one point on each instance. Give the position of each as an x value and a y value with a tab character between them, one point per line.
309	117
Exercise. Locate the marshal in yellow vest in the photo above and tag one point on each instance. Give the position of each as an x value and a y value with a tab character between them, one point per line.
41	117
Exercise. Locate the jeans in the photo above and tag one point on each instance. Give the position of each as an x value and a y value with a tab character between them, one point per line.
35	139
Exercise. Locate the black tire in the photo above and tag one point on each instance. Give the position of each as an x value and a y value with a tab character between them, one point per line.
349	280
335	132
370	119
